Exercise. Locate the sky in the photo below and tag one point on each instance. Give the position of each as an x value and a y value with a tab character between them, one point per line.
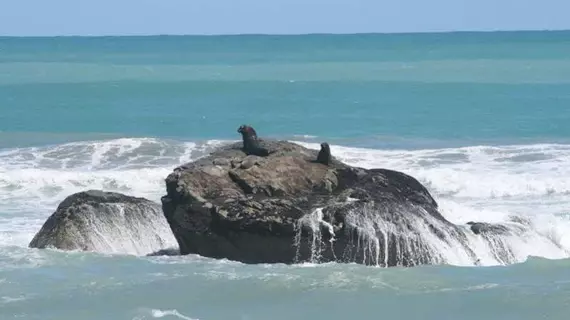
145	17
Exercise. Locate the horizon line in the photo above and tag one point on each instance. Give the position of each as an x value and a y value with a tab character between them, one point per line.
279	34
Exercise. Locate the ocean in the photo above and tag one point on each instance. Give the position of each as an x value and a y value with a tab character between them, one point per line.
481	119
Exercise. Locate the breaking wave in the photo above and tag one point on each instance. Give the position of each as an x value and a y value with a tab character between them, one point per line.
498	184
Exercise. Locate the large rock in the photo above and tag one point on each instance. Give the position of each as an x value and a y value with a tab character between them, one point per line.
287	208
106	222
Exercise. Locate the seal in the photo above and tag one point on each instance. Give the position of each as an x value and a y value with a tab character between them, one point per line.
250	142
324	156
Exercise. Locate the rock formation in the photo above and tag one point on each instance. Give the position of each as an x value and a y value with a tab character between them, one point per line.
106	222
287	208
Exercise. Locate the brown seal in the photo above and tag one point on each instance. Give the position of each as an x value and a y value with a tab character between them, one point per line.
250	142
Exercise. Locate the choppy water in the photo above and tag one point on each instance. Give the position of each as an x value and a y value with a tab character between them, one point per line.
480	119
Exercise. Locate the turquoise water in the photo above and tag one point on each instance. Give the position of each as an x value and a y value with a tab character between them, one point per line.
480	118
497	87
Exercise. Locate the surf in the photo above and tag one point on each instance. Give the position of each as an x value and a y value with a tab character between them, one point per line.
497	184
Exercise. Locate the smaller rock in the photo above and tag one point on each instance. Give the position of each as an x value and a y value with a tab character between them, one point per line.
329	182
221	162
483	227
249	162
106	222
165	252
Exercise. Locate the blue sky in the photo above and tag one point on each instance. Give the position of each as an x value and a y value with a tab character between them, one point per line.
116	17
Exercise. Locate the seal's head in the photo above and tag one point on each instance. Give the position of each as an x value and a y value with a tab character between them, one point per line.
325	146
247	131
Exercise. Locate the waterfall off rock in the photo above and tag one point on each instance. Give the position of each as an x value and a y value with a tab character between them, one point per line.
106	222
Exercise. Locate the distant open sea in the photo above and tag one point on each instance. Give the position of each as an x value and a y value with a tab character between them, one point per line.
481	119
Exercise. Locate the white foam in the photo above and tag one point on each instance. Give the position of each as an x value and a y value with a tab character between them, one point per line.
474	172
33	181
156	313
305	136
478	183
144	313
489	184
116	154
313	221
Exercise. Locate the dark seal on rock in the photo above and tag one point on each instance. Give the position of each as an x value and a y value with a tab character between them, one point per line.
251	142
324	156
106	222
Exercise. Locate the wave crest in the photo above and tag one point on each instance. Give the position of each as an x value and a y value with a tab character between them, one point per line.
479	183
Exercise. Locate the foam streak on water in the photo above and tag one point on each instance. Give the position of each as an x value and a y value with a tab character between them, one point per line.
160	314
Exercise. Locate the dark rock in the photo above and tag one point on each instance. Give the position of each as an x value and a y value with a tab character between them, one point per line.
106	222
250	161
289	208
497	235
221	162
486	228
165	252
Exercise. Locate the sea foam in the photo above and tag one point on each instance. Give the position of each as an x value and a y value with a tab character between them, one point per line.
480	183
